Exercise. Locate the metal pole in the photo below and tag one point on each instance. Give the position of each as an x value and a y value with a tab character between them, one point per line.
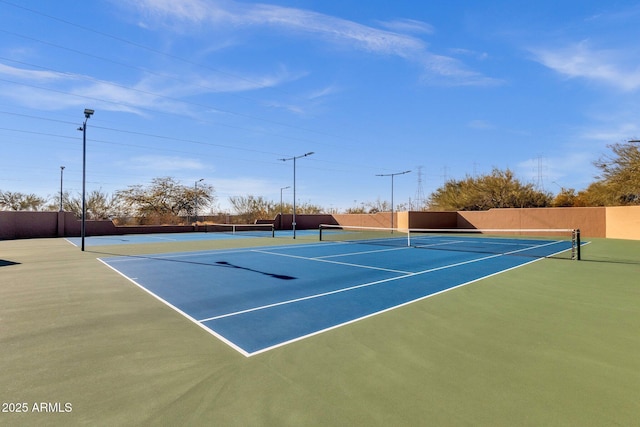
392	175
87	114
283	188
84	175
293	225
195	209
61	172
392	203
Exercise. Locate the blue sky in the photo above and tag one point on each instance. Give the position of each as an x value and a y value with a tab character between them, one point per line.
222	90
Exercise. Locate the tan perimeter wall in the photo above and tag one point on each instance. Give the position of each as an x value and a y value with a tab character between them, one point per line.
592	222
610	222
623	222
25	225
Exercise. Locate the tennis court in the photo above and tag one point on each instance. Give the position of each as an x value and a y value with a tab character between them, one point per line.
261	298
553	342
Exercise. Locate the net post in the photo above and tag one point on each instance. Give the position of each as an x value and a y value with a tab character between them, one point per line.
320	231
575	244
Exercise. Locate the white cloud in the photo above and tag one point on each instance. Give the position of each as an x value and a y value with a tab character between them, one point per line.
611	67
348	34
244	186
573	169
32	75
163	163
408	26
54	90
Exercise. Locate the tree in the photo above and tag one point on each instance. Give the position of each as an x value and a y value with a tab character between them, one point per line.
567	197
164	200
619	181
500	189
99	205
250	208
15	201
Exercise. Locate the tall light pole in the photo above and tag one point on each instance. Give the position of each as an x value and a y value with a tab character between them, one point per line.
392	175
87	113
195	209
293	225
283	188
61	172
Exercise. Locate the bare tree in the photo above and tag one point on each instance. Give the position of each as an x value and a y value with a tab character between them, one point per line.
15	201
164	200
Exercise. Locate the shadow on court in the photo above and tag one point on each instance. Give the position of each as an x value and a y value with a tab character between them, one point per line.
223	264
275	276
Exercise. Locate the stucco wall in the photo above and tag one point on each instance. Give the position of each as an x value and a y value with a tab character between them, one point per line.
590	221
623	222
611	222
21	225
380	219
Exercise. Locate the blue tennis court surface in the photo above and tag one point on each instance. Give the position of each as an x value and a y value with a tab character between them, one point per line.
261	298
176	237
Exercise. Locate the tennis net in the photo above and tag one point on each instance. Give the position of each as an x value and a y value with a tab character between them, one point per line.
545	243
257	230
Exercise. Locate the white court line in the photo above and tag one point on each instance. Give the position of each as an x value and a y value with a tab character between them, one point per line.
248	354
350	288
171	255
363	252
333	262
168	304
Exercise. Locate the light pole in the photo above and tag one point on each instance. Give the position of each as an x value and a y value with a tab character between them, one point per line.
293	224
87	113
61	172
392	175
283	188
195	209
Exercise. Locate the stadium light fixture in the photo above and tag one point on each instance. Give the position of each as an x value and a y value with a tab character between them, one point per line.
293	224
87	113
634	140
61	173
195	209
392	175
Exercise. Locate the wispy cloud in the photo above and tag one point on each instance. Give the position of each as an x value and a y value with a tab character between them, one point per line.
480	125
164	163
551	172
56	90
612	132
232	15
615	68
408	26
32	75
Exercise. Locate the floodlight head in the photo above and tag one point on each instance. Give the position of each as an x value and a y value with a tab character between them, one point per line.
309	153
88	112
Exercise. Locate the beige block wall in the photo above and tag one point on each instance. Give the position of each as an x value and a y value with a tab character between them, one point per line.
623	222
590	221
